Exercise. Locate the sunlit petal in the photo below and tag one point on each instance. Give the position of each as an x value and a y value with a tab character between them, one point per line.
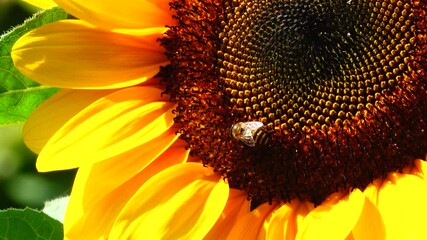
370	225
113	125
334	218
417	168
284	222
135	14
250	225
94	207
401	202
54	113
73	54
183	201
43	4
421	168
237	206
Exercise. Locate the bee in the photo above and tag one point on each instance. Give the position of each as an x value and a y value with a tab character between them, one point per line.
250	133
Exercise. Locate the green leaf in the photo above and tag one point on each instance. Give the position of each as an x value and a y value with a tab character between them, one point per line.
18	94
22	224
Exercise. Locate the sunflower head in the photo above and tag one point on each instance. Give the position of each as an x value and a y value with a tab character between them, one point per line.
338	85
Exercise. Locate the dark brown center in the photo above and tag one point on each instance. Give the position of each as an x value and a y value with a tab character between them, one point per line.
299	99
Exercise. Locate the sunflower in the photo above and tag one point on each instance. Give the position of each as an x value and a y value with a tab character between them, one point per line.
238	119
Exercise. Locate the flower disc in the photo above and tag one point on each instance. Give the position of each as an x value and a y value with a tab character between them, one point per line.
339	86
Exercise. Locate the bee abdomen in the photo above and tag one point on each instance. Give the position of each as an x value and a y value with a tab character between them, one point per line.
261	137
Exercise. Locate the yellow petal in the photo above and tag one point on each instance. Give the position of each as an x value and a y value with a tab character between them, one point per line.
351	237
284	222
43	4
53	113
421	166
418	168
110	14
281	223
111	126
334	218
250	225
402	205
182	202
237	206
93	207
73	54
370	225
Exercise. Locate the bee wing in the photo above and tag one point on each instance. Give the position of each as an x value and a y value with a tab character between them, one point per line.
254	125
248	140
248	129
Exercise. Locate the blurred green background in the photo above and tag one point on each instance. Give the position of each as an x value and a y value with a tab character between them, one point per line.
20	183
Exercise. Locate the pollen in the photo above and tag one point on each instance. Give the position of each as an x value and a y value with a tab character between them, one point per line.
339	87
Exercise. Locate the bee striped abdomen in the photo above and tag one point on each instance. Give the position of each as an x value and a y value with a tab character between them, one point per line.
261	137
